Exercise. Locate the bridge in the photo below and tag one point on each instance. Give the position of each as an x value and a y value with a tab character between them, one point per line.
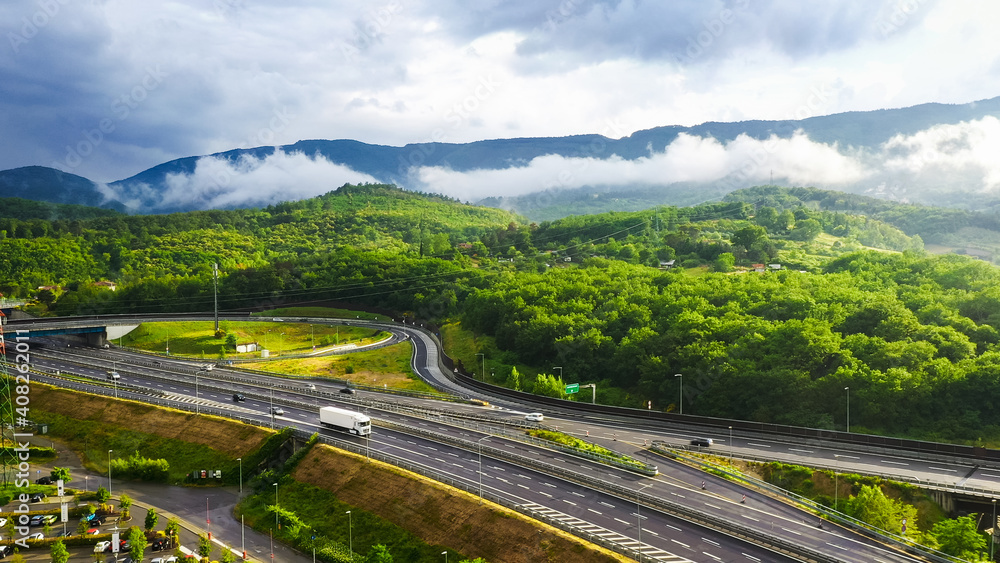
97	333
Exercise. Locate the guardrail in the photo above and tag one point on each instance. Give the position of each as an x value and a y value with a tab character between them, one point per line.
859	526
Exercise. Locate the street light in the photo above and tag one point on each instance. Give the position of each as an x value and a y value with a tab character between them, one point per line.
109	471
848	389
197	407
350	532
730	445
560	370
275	506
680	401
240	459
484	365
480	442
445	553
993	526
836	483
639	518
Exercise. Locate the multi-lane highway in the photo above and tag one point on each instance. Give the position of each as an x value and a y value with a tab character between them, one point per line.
562	495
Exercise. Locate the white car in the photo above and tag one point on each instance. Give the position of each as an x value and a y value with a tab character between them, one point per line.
170	559
102	546
534	417
277	410
38	536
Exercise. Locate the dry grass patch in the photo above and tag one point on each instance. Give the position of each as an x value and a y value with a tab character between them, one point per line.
440	514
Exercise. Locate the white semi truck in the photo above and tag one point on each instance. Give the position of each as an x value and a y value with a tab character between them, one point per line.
343	419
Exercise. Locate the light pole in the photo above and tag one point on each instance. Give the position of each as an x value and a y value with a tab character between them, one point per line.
240	459
483	377
560	370
730	445
680	401
243	537
848	389
480	442
836	481
445	553
281	344
993	526
109	471
197	407
272	408
350	533
638	518
215	293
275	506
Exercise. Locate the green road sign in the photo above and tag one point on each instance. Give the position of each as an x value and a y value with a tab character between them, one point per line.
572	388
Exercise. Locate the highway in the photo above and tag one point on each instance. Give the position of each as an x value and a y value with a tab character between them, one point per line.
614	518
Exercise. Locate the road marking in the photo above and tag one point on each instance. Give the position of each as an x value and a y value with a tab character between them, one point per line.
848	456
750	557
712	556
893	462
800	450
791	531
652	532
712	506
595	512
549	485
677	494
524	486
706	540
607	505
988	475
568	502
624	522
544	493
837	546
672	527
942	469
578	494
681	543
750	518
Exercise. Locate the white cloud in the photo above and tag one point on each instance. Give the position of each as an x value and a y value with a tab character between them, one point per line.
968	149
219	183
687	159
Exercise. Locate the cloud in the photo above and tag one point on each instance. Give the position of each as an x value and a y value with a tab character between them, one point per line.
221	183
688	158
965	151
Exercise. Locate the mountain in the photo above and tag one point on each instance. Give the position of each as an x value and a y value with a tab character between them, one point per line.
927	154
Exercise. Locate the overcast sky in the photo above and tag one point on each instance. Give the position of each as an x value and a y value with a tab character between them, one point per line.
107	88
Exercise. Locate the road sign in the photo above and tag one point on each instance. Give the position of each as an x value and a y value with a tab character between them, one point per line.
572	388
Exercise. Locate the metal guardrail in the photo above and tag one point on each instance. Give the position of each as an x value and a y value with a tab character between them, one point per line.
860	526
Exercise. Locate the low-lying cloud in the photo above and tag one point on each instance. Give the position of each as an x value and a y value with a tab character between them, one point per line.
688	158
220	183
965	151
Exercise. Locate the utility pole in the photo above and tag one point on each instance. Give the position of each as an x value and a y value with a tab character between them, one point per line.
215	292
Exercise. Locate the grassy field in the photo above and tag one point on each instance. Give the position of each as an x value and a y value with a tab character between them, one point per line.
197	338
388	366
91	425
325	312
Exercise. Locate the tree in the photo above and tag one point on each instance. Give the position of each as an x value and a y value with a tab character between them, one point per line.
204	545
173	529
125	503
514	381
872	506
61	473
231	340
959	537
748	236
228	556
59	552
102	495
137	541
807	230
151	518
724	263
378	554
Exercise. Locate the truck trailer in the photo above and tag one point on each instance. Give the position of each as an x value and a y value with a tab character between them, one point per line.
343	419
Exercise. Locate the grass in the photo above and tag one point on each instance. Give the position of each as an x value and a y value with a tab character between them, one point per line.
325	312
197	338
581	445
92	425
388	366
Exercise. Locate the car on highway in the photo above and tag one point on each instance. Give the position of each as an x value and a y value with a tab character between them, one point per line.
102	546
534	417
277	411
701	442
238	398
114	375
348	391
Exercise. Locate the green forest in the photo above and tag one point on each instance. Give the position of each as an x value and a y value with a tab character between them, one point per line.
769	305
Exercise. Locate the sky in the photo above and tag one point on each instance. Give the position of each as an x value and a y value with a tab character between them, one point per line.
106	88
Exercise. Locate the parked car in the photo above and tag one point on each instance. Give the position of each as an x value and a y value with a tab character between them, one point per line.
49	519
102	546
534	417
348	391
701	442
159	544
3	522
36	536
238	398
36	520
38	497
43	481
170	559
4	551
93	531
277	410
124	545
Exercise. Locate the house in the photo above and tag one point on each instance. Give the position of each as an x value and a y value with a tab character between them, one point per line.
667	264
774	266
251	347
465	245
106	284
758	267
568	259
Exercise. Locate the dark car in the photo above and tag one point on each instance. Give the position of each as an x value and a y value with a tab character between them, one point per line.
160	544
43	481
238	398
38	497
124	545
348	391
701	442
97	520
36	520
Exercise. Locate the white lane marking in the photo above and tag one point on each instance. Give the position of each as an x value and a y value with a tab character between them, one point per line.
706	540
712	506
607	505
624	522
569	502
792	531
758	445
595	512
800	450
672	527
893	462
942	469
750	557
681	543
837	546
750	518
988	475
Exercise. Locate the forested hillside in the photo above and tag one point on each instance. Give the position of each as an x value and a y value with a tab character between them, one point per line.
626	300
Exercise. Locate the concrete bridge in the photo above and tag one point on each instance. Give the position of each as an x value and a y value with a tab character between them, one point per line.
97	333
